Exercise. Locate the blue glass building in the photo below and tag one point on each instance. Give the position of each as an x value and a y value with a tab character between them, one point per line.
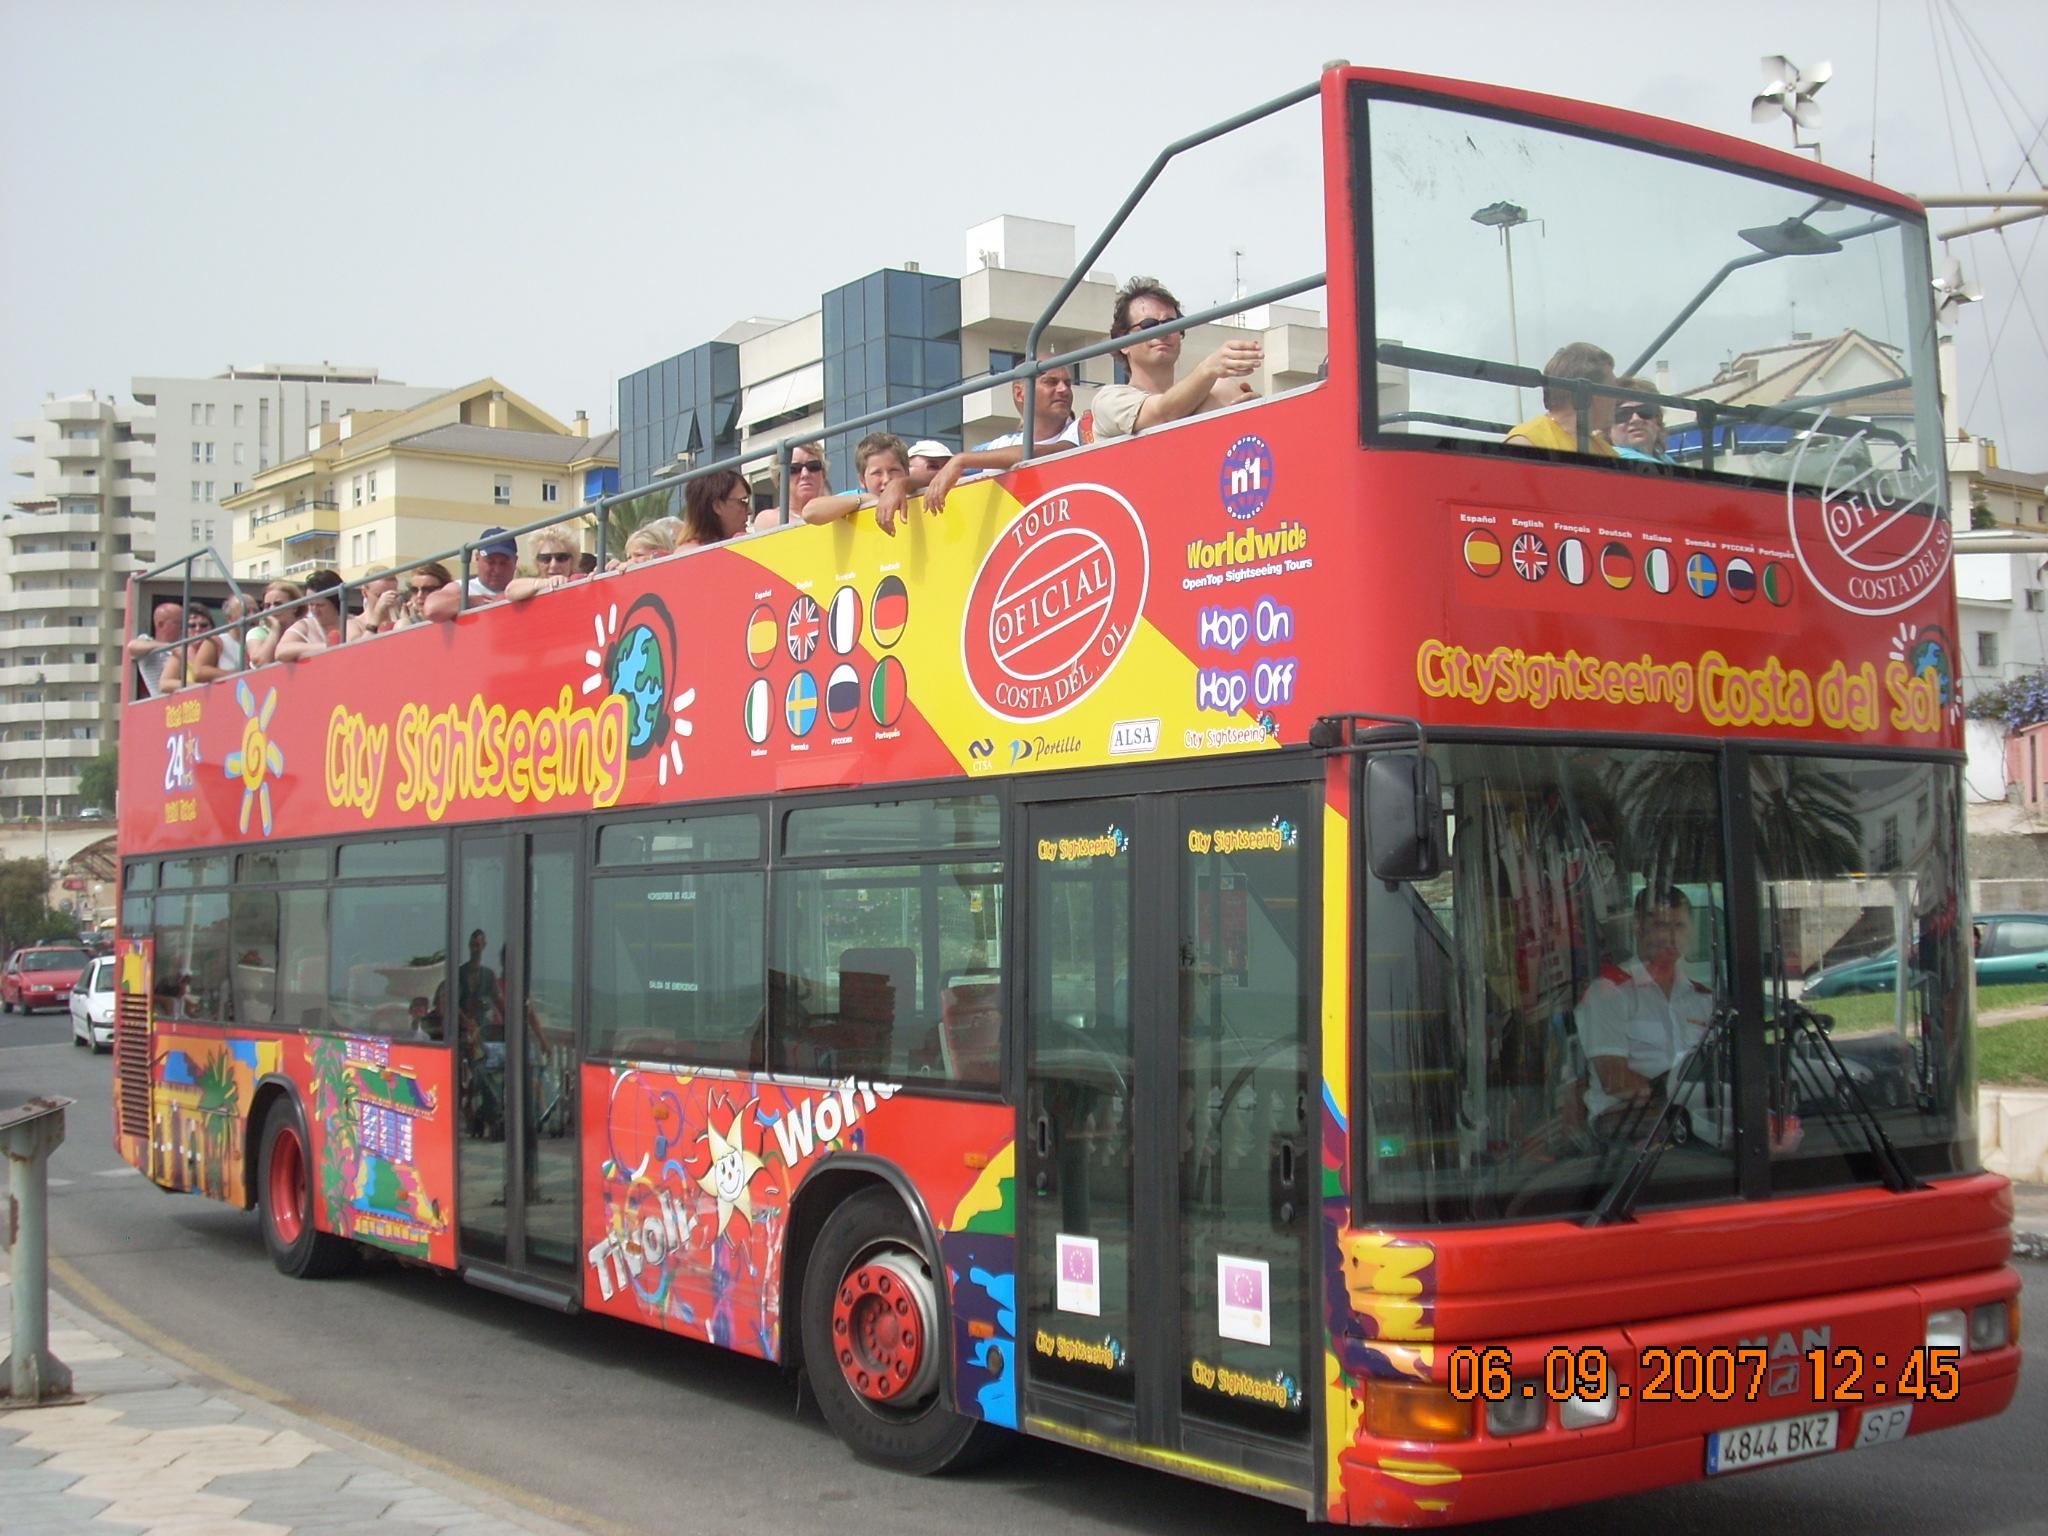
689	403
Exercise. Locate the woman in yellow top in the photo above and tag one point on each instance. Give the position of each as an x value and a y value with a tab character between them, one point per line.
1558	426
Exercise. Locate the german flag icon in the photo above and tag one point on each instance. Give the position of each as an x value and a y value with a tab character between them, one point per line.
1617	566
890	611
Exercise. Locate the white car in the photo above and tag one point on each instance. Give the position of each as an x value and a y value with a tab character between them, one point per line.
92	1006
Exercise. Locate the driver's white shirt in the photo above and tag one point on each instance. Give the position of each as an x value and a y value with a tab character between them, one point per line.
1626	1014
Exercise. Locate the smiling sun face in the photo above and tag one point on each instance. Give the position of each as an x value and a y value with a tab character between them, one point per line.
260	760
732	1170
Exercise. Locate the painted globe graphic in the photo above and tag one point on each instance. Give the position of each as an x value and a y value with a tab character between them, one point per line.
1928	651
637	676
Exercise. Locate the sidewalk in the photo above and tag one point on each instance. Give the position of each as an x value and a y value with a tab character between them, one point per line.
152	1451
2030	1221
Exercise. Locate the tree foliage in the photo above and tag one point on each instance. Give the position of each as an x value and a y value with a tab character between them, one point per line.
2017	702
98	779
26	916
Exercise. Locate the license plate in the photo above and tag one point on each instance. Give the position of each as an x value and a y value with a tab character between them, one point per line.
1881	1426
1758	1445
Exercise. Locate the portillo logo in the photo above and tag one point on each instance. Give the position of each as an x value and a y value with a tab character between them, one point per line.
1055	603
1872	537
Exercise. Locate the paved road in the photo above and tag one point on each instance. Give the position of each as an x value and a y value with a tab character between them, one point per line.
621	1429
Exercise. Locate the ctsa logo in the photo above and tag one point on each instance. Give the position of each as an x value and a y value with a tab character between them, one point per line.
1055	603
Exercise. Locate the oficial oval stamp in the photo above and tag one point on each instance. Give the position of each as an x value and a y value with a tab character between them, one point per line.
1055	603
1870	535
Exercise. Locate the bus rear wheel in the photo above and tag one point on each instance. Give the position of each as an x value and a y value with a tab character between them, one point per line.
284	1192
873	1346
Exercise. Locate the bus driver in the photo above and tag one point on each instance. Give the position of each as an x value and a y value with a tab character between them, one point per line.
1636	1022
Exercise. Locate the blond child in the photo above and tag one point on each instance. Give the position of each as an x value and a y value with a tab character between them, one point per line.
882	464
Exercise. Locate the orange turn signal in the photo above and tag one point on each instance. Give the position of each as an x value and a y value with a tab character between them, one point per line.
1415	1410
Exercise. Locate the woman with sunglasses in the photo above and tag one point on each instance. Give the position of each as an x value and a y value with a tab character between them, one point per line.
809	478
270	625
716	507
1638	430
421	583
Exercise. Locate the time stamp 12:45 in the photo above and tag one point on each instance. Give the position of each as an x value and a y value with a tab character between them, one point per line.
1719	1375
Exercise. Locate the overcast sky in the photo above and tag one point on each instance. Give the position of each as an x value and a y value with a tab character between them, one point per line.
560	195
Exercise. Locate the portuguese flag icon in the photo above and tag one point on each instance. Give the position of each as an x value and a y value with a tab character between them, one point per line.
888	691
1777	584
890	610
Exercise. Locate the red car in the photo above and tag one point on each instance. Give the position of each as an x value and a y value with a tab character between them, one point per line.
41	976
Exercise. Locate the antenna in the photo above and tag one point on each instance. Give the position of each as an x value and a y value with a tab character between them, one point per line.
1952	290
1788	91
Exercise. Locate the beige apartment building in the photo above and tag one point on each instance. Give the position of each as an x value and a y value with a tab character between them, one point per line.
387	487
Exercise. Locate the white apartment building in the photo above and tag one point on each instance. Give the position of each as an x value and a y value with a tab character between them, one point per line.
69	541
214	435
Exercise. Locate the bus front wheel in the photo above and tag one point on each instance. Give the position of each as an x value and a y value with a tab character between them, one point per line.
872	1342
284	1193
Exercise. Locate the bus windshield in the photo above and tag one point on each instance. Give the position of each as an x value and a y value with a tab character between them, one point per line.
1532	1012
1778	332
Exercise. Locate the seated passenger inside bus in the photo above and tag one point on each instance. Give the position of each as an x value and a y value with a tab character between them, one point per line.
1558	427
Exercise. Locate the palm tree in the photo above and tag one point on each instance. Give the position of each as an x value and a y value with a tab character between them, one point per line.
638	512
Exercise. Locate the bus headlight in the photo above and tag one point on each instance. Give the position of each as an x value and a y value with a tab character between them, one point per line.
1947	1329
1520	1413
1579	1413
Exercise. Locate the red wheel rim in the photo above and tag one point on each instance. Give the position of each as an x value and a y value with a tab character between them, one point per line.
287	1186
879	1332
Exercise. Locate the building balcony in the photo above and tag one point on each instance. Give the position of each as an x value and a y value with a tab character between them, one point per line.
64	752
44	637
296	521
67	672
91	448
54	560
60	712
24	464
74	485
59	600
138	451
75	410
133	488
30	524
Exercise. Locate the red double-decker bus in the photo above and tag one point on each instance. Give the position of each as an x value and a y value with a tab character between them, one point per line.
1273	948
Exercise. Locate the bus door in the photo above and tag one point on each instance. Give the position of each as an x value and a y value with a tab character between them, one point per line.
518	913
1169	1131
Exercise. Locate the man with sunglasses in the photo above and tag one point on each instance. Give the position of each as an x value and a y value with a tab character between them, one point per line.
1153	396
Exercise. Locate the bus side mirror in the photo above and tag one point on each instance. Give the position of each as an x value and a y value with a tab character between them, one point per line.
1404	819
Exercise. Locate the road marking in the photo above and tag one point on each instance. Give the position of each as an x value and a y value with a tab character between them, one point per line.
58	1183
198	1360
123	1172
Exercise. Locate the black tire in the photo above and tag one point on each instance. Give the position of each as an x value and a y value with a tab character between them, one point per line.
870	1250
284	1175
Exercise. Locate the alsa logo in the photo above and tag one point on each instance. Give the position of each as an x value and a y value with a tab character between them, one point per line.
1872	537
1785	1353
1055	603
1130	738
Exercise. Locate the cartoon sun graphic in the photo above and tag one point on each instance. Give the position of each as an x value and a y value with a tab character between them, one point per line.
732	1170
260	759
635	665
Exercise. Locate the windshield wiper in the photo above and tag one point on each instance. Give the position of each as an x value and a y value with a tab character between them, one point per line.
1891	1167
1619	1203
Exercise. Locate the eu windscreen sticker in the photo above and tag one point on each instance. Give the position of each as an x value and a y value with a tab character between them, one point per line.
1244	1293
1080	1279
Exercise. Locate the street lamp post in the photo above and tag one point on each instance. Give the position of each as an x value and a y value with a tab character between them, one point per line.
43	708
1505	216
